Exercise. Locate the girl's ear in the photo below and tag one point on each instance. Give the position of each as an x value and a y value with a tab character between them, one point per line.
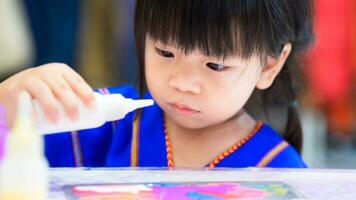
273	67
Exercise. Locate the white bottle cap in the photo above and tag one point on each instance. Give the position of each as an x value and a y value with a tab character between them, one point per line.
23	136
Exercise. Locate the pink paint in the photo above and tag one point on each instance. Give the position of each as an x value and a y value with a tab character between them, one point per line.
155	191
208	191
3	132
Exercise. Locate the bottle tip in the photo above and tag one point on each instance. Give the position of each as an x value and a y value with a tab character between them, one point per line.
24	104
136	104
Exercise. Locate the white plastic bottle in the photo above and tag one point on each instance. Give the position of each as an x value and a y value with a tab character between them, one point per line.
24	168
108	107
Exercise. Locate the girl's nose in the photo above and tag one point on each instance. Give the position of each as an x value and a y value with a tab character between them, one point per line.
186	81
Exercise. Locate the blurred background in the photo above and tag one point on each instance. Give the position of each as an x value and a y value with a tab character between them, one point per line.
96	39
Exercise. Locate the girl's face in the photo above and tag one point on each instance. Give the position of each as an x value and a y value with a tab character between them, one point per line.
198	91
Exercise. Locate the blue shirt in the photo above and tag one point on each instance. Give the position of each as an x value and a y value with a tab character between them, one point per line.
129	142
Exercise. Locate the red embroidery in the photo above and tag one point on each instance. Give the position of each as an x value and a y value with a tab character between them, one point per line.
220	157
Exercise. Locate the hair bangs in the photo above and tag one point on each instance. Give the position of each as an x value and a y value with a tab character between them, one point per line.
218	28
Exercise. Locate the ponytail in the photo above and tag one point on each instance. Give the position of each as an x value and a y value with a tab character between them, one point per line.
293	131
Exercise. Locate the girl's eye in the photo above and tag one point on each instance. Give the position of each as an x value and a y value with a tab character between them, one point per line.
216	67
164	53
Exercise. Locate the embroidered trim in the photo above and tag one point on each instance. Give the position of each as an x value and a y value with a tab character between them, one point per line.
169	154
220	157
236	145
77	153
134	143
272	154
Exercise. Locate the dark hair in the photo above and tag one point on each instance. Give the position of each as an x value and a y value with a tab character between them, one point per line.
224	28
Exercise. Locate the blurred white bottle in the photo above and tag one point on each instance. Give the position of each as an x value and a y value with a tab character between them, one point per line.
24	168
107	108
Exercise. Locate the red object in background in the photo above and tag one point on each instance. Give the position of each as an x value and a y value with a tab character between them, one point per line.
332	61
353	35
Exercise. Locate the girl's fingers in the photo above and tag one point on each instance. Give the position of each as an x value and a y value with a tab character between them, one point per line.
64	93
43	94
8	100
80	87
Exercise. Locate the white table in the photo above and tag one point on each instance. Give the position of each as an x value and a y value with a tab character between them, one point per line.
312	183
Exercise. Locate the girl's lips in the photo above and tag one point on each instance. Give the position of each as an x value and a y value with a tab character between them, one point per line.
183	109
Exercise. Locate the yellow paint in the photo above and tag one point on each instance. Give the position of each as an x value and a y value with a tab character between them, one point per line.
22	195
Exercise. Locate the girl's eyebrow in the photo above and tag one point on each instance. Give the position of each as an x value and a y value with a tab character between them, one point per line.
159	44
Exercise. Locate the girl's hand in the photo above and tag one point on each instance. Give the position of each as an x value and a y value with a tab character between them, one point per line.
49	84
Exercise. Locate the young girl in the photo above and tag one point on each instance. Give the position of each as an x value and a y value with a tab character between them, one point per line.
200	60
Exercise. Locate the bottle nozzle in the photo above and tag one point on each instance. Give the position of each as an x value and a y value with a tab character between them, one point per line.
136	104
23	122
117	106
24	104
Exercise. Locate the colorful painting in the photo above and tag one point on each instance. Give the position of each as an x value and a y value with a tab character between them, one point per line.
183	191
